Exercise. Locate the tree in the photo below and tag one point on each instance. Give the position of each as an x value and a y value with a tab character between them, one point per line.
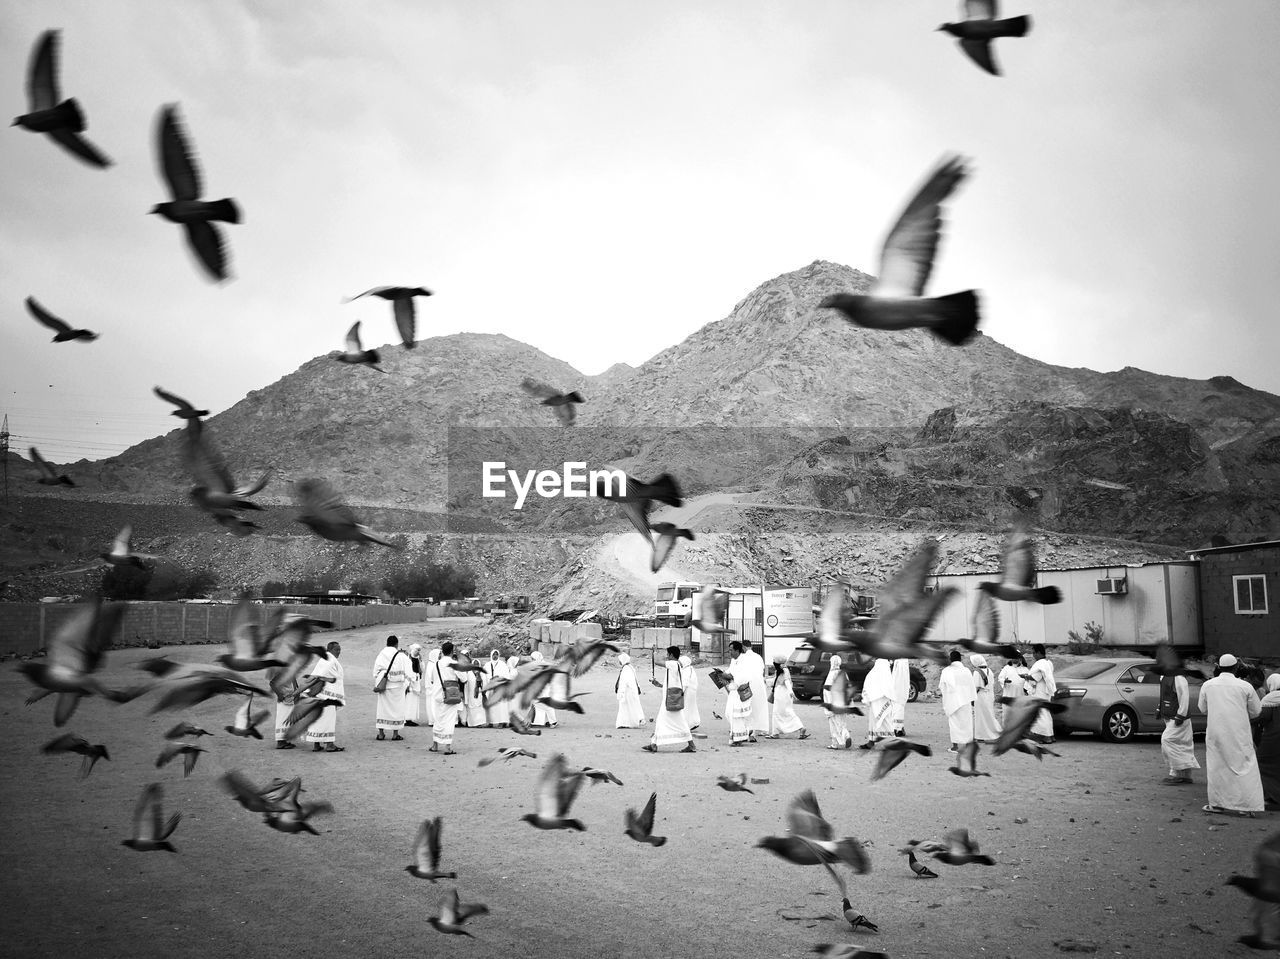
126	582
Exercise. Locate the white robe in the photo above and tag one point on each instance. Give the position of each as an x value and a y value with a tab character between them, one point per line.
1230	761
691	711
785	719
671	727
986	728
877	695
390	713
900	670
752	668
496	712
1177	743
1043	686
413	694
956	684
836	726
737	712
472	708
446	716
429	688
626	689
325	729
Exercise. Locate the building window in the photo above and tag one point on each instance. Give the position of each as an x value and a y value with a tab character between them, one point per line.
1251	593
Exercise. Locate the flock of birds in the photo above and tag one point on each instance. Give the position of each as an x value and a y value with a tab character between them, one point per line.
280	645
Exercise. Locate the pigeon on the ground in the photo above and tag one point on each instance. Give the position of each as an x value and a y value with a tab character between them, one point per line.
184	730
151	831
1019	715
190	754
63	331
734	784
62	121
920	869
247	721
668	533
74	654
980	26
556	791
197	216
322	510
1018	572
122	554
506	753
891	752
401	298
855	919
969	754
48	475
71	743
712	605
184	411
454	913
961	850
426	852
357	354
640	827
896	299
561	403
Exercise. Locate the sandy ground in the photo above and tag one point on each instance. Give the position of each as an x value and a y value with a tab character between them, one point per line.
1090	848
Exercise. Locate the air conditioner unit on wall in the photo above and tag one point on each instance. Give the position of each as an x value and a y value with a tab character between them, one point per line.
1112	586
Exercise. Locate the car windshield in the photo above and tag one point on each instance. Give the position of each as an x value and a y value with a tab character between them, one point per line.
1085	670
666	593
800	654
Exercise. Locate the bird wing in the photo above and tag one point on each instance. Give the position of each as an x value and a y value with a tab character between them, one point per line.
242	633
41	463
906	259
468	909
1018	561
242	714
353	338
980	52
372	292
637	512
79	644
45	317
905	625
537	389
806	820
569	785
971	754
820	854
645	819
146	814
316	497
42	72
907	585
546	797
207	244
66	743
986	619
406	320
959	841
205	462
177	401
980	9
177	162
449	909
75	143
433	827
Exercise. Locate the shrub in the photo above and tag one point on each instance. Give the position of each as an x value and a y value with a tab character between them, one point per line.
1082	646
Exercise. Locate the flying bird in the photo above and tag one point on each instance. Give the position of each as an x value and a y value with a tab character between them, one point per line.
980	26
70	743
74	654
843	950
454	913
668	533
151	831
1019	715
663	489
812	840
985	627
62	121
426	852
184	409
891	753
1033	748
305	714
712	605
640	826
585	653
1265	885
521	725
906	612
838	697
401	298
63	331
734	784
599	775
961	850
247	642
1018	572
561	403
278	796
247	722
506	754
557	788
122	554
185	730
355	353
48	475
296	818
216	491
197	216
190	754
195	688
896	298
321	510
968	753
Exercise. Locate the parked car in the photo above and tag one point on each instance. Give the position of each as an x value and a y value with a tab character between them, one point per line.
1116	699
809	667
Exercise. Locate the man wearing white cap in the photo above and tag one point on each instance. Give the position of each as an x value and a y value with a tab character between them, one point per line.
986	728
1235	785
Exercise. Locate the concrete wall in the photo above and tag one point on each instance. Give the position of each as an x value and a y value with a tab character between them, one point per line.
25	628
1225	630
1162	605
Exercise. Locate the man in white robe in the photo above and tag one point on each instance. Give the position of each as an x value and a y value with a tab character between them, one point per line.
836	726
1012	681
956	683
752	665
737	711
391	663
323	733
986	728
1043	686
1235	785
496	711
284	708
413	686
691	711
626	689
1176	742
446	713
900	692
544	715
671	728
877	697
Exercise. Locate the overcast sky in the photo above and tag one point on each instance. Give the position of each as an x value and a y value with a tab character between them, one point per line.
600	178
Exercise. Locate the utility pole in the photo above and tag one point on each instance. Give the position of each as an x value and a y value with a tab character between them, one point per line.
4	456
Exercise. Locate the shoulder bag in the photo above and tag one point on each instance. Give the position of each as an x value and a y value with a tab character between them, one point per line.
452	688
381	685
675	694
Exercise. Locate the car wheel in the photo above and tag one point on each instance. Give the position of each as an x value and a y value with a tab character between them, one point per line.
912	694
1119	724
